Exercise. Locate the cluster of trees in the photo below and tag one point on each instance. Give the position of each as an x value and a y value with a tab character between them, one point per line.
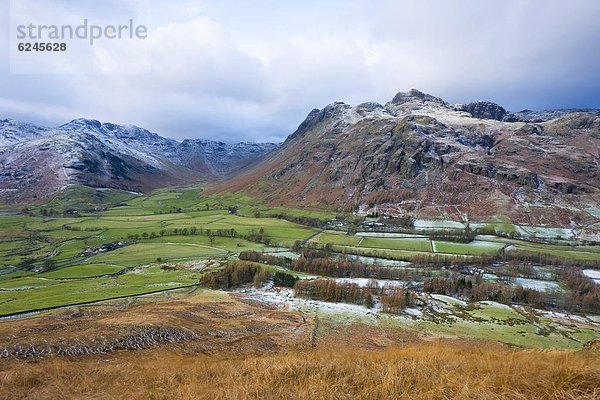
513	269
235	275
436	260
257	236
313	250
49	212
284	279
242	273
452	235
191	231
298	219
333	291
472	288
394	299
349	269
389	196
404	221
584	293
87	229
256	256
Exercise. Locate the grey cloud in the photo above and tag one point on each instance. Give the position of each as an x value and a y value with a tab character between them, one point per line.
226	72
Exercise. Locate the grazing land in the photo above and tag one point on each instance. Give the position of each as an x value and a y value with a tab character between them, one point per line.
219	287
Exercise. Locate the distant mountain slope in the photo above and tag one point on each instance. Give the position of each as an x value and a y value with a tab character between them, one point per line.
420	154
37	162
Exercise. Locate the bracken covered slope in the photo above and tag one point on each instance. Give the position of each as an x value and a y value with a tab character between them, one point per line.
419	154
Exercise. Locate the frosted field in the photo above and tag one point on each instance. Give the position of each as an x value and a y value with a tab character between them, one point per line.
536	284
563	233
438	224
592	273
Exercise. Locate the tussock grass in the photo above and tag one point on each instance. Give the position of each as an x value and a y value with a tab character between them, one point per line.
429	370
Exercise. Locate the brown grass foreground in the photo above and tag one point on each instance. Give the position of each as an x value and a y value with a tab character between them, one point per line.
425	370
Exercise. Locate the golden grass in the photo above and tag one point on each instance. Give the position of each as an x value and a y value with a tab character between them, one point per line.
425	370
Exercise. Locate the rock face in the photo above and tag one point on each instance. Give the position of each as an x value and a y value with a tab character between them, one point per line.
419	154
37	162
485	110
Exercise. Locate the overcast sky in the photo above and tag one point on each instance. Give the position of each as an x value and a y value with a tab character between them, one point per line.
237	71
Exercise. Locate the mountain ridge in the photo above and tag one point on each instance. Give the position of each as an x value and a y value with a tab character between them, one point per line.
37	162
420	154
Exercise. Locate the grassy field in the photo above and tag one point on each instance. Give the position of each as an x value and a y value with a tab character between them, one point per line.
475	248
59	242
146	223
55	293
83	271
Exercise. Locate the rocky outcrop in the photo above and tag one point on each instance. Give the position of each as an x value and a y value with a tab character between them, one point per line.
501	173
485	110
415	95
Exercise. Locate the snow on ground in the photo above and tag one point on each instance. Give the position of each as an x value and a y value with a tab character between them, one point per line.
495	304
536	284
438	224
287	254
413	311
489	245
448	299
285	297
489	277
539	231
592	273
594	318
565	317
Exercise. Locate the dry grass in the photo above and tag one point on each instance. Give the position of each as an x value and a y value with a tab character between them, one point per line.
245	350
435	370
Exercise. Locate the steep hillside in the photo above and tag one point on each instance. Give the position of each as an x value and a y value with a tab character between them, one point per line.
420	154
37	162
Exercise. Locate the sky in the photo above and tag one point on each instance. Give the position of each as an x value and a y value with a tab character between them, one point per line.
252	70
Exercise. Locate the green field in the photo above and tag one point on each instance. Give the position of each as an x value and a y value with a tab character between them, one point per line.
55	242
50	258
61	293
475	248
409	244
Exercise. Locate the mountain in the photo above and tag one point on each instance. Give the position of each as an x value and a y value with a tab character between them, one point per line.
37	162
421	155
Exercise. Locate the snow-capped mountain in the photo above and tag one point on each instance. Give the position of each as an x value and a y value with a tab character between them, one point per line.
36	162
